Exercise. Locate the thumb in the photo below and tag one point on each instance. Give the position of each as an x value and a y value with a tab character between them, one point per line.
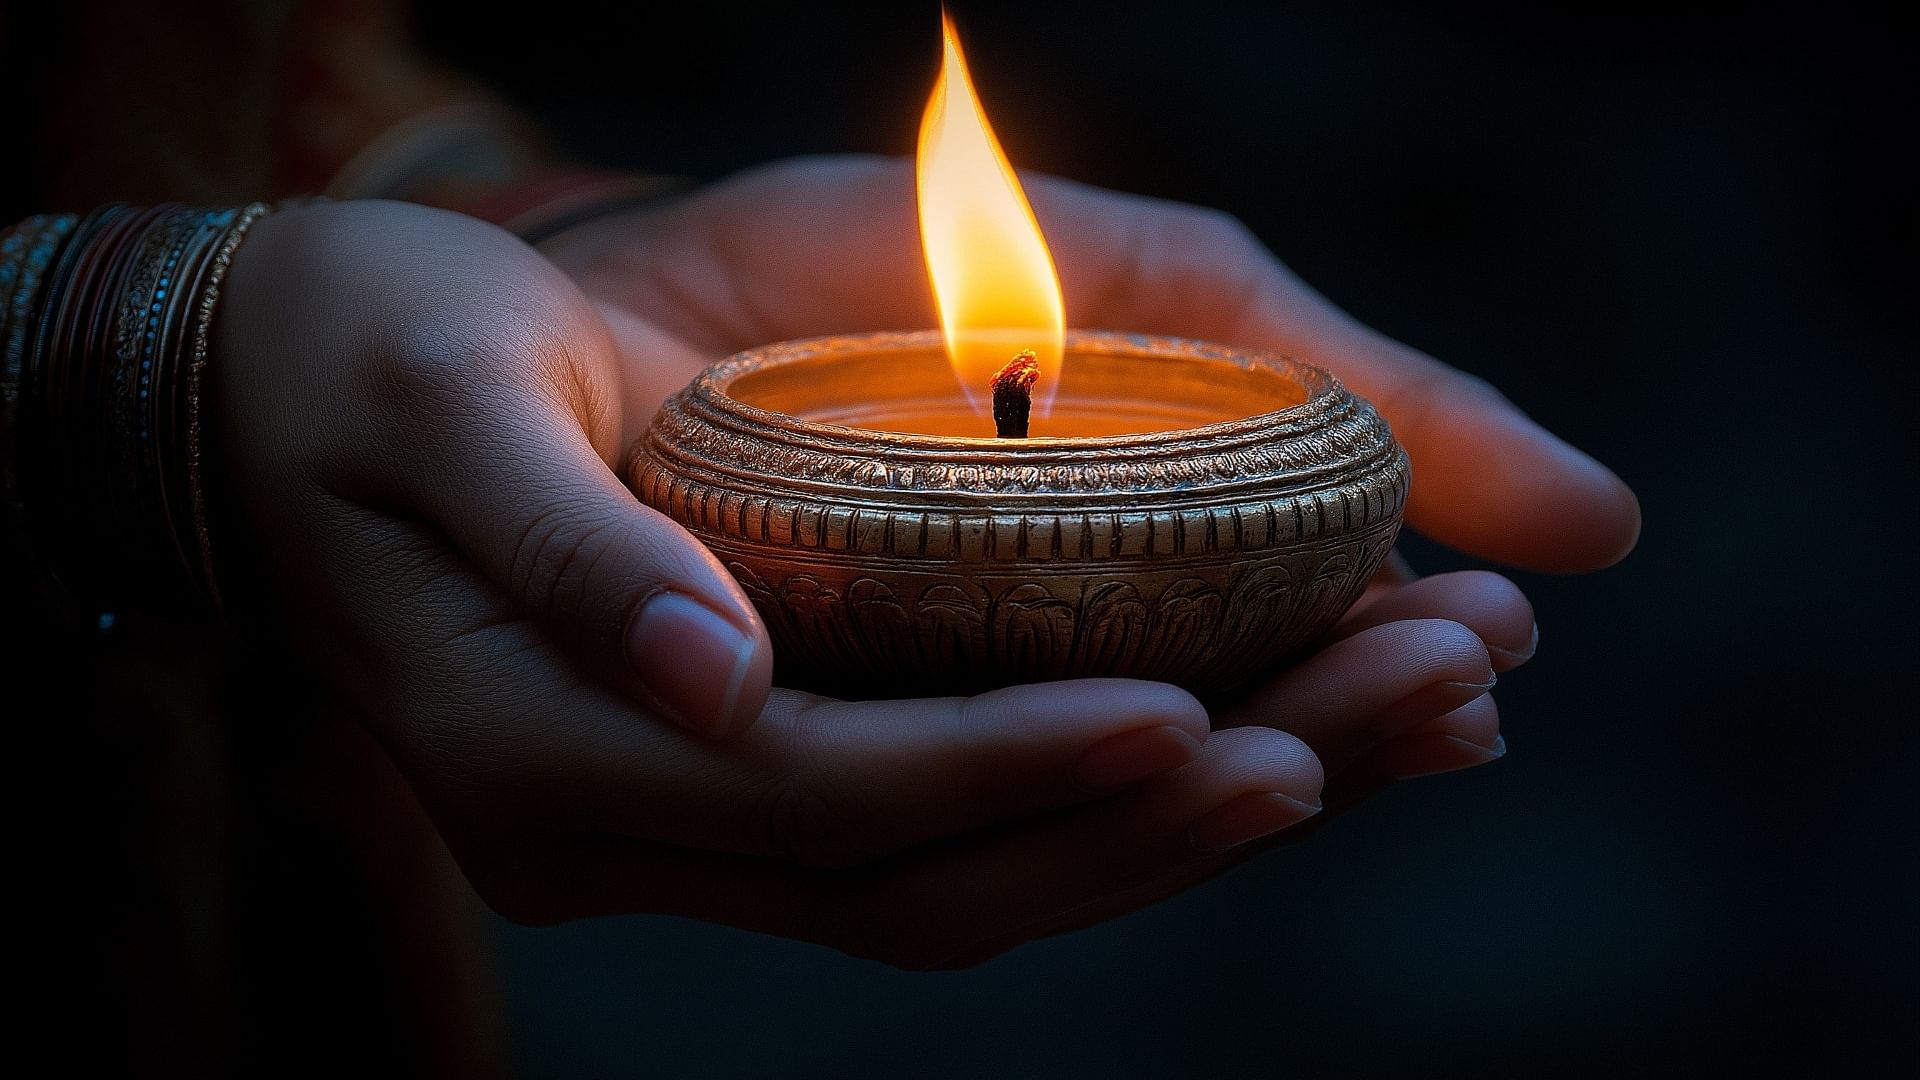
631	596
418	360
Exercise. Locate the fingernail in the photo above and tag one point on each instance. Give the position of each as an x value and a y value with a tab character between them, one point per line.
1512	658
1246	818
692	659
1132	756
1429	755
1449	727
1430	701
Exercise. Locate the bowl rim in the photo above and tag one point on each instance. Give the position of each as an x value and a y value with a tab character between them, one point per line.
712	386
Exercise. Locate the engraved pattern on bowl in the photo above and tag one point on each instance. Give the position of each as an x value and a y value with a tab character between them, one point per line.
887	563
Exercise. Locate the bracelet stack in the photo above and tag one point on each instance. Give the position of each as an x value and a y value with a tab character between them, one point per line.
104	320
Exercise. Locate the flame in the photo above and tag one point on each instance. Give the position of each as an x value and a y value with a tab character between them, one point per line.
992	276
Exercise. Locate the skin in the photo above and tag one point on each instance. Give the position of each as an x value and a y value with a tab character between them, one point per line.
421	420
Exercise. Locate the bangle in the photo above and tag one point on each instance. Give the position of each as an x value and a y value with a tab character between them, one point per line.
105	325
208	298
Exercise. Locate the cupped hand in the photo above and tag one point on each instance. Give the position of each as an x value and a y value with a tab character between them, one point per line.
416	416
830	245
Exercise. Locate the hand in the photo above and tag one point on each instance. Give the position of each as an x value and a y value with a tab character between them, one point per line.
417	415
830	245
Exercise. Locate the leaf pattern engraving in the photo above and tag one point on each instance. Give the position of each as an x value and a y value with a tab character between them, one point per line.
1212	626
1113	625
1185	623
951	627
1033	630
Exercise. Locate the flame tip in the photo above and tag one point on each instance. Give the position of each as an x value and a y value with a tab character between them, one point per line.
993	278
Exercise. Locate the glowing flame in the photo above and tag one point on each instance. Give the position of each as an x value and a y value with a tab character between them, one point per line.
992	276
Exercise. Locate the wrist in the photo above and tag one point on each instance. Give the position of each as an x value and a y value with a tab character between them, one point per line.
422	135
477	159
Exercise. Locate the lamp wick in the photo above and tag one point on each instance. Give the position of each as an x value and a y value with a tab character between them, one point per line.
1013	395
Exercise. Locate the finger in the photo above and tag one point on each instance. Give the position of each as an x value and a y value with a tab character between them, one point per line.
921	909
1484	602
1487	480
1377	684
1462	739
1249	785
816	781
833	783
476	388
630	593
1476	723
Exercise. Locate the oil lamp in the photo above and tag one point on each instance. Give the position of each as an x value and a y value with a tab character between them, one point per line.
1179	511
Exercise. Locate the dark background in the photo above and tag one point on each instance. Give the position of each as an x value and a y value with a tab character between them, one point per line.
1685	243
1681	241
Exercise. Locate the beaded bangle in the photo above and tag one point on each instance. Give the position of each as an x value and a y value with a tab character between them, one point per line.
105	323
208	298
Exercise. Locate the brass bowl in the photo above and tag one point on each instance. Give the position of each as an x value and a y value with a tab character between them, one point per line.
1236	509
